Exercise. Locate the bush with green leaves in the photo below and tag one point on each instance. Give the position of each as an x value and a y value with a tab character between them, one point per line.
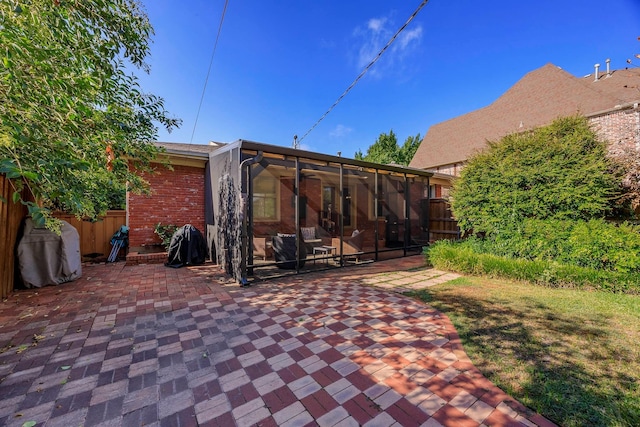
464	257
165	232
559	172
596	243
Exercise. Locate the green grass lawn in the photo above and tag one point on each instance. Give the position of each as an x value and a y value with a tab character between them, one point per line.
571	355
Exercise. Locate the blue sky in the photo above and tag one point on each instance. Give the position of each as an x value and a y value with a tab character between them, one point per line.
280	65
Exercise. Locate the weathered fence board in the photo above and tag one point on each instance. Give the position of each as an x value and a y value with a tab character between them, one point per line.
11	215
441	222
95	237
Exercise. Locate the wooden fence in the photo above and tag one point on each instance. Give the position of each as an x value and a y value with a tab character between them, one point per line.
441	222
11	216
95	237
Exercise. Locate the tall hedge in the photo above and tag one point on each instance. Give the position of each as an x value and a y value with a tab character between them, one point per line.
560	172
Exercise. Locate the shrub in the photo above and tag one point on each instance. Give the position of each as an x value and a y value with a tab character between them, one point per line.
595	244
559	172
462	257
165	232
602	245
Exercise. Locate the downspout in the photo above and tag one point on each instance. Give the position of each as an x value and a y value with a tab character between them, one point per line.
246	239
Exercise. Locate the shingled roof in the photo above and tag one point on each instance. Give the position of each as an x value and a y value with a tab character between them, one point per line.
537	99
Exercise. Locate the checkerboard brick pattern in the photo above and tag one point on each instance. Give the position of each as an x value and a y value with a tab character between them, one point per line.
155	346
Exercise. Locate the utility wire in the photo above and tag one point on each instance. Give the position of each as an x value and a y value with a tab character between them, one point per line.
206	80
373	61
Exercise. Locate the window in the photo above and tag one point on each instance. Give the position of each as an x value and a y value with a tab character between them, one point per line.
432	191
265	197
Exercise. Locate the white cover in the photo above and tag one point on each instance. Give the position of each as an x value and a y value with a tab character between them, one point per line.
48	259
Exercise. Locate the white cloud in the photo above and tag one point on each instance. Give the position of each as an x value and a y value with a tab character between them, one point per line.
376	24
407	37
340	131
377	33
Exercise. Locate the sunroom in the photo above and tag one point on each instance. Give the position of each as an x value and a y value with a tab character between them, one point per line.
278	210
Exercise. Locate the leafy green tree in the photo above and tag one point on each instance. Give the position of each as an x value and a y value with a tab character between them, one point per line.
72	114
557	172
408	149
386	150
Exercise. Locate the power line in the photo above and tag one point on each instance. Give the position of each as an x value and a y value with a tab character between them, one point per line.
206	80
373	61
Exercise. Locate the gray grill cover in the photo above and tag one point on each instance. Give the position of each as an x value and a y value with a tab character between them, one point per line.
48	259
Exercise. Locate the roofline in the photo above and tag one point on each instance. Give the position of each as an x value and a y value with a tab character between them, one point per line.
165	148
627	106
443	175
293	152
187	154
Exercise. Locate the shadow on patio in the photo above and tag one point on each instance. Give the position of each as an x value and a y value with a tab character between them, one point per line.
150	345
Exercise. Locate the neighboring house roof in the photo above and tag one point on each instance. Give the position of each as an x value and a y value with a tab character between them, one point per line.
537	99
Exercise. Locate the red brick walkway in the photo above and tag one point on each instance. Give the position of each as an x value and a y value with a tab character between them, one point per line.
150	345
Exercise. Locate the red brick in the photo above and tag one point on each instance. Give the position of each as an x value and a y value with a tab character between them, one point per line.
469	385
331	355
449	416
395	361
368	405
360	379
442	388
406	414
432	364
291	373
400	383
354	410
325	400
500	419
313	406
494	396
177	197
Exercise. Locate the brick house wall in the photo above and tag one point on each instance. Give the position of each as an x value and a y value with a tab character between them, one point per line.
621	129
177	197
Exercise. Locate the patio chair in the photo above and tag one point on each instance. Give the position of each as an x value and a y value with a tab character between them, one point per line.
284	250
314	237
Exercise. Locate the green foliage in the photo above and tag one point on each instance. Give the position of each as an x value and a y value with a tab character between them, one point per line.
386	150
464	257
596	243
600	245
408	149
556	172
165	232
71	113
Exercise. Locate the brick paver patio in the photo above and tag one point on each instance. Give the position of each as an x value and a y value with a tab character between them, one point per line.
155	346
